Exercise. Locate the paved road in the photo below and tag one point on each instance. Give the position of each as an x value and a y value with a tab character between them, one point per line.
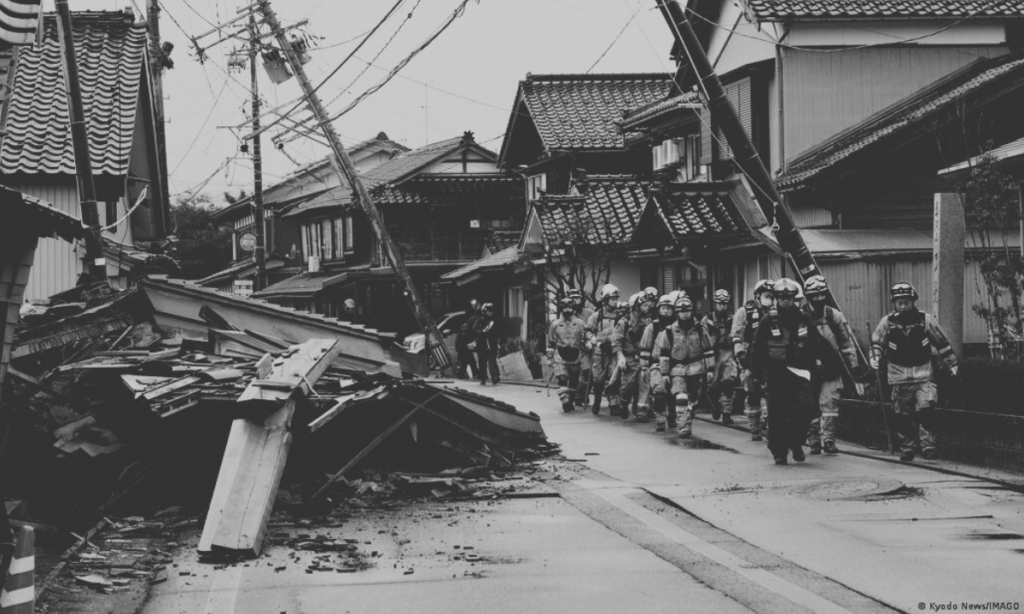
649	523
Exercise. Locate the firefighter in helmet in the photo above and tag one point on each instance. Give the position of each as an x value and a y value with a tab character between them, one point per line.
726	371
657	397
745	323
565	348
587	354
600	331
831	323
905	339
685	352
785	356
626	345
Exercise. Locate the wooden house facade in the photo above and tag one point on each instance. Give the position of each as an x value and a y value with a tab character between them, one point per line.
36	152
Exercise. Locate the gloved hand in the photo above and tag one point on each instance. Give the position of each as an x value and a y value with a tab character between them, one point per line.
954	370
551	355
621	362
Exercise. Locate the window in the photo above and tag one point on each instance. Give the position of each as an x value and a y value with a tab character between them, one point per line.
535	186
328	239
350	236
667	152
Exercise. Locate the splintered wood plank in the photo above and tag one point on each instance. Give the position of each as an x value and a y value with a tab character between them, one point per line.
296	369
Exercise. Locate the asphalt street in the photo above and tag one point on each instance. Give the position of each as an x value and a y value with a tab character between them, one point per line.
637	521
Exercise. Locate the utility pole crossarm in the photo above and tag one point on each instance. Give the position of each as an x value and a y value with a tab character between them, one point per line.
343	165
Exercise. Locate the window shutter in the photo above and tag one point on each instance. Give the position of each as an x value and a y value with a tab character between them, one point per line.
739	95
706	142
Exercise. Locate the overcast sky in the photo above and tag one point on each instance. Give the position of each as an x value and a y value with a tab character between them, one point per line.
465	80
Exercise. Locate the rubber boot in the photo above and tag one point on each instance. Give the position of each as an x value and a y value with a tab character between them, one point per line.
598	395
739	398
684	415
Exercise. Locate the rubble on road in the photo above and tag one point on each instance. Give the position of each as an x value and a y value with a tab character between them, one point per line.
169	388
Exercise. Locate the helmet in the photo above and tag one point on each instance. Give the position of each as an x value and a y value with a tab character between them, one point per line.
722	296
567	303
666	301
634	300
787	288
350	304
683	302
574	293
650	294
765	285
609	291
902	290
622	306
815	285
487	307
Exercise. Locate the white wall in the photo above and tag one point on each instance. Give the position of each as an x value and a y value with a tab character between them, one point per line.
930	32
748	44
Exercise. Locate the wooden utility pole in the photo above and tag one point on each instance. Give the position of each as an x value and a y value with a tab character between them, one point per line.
343	165
744	154
260	281
95	264
158	62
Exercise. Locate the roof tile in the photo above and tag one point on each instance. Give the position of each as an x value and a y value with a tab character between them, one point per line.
581	111
690	210
606	214
781	10
111	53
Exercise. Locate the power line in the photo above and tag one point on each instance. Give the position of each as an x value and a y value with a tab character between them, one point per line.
616	39
333	72
200	132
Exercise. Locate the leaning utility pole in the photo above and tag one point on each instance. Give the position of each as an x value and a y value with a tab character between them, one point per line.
260	281
343	165
159	61
744	154
95	264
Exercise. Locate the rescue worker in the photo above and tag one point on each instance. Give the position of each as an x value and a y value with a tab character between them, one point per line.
785	355
600	330
587	355
725	374
658	390
565	347
612	388
905	339
685	351
745	323
831	323
626	345
486	330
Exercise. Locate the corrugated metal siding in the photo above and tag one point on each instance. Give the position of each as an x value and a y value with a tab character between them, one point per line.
57	265
828	92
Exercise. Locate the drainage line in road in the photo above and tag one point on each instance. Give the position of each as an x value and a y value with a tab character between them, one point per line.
1018	488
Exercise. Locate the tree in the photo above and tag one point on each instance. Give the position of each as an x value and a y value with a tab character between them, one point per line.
991	205
202	248
582	261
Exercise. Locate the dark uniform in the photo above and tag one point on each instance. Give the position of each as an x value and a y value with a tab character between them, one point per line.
785	355
486	330
745	323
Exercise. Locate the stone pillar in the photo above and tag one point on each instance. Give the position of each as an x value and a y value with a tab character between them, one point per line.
948	263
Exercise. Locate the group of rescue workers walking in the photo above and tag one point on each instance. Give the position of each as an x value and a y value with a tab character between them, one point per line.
778	360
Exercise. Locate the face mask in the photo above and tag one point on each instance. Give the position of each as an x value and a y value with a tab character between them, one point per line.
766	301
684	316
568	313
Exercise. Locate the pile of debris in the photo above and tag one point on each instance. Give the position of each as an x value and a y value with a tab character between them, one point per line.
171	384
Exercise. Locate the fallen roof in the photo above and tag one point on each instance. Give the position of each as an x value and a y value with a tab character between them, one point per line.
30	214
605	213
898	121
111	53
491	262
580	111
303	285
791	10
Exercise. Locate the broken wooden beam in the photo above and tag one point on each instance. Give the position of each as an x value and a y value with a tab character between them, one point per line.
257	450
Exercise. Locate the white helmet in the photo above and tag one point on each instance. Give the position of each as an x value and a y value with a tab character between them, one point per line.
609	291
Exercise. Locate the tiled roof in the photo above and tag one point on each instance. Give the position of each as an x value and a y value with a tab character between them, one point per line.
491	262
581	111
899	120
697	209
606	214
111	53
29	214
635	117
455	190
390	173
781	10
